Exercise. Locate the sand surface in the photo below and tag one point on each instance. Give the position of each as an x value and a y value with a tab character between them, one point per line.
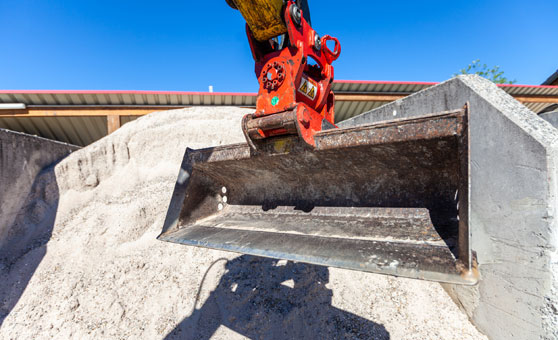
94	270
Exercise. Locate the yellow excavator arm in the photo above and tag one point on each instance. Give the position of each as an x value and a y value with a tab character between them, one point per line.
264	17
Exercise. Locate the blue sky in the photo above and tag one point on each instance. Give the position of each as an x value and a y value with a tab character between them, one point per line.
189	45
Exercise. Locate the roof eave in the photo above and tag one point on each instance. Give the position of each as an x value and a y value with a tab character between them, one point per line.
552	80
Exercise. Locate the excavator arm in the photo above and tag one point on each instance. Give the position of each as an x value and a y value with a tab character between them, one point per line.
293	67
264	16
389	197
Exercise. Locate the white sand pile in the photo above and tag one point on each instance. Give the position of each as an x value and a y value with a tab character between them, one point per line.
105	276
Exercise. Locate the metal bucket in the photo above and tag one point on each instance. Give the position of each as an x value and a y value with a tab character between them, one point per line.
391	198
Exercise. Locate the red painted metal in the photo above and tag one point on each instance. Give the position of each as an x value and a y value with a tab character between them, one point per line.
296	78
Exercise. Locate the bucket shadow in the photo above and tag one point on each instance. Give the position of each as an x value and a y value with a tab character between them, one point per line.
263	298
25	246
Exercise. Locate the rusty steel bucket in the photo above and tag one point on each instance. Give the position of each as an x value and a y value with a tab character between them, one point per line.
390	198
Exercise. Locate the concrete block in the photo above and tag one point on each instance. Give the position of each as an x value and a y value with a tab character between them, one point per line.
22	157
551	117
513	206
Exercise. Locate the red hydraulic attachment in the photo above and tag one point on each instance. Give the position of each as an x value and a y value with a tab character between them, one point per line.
295	96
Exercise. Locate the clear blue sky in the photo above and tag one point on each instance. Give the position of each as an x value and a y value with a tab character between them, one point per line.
188	45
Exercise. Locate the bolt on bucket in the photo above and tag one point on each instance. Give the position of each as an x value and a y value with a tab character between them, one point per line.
390	198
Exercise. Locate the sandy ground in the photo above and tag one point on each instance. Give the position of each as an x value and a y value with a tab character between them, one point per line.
96	271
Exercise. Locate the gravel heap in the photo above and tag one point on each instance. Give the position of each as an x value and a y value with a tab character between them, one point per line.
96	270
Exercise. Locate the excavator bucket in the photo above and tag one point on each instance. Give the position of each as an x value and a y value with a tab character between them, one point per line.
390	198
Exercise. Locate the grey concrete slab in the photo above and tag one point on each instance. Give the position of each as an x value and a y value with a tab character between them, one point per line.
551	117
513	206
22	157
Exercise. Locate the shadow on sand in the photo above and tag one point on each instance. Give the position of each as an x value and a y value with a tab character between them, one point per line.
25	246
263	298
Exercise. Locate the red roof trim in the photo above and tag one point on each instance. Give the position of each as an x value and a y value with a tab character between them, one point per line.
124	92
432	83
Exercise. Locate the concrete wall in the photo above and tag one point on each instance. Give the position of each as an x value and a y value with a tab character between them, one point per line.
22	157
513	206
551	117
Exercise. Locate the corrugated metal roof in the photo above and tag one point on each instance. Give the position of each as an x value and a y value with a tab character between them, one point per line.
84	130
356	86
348	109
133	98
181	99
74	130
174	98
530	90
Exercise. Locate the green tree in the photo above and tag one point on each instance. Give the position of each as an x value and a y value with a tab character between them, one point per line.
494	74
